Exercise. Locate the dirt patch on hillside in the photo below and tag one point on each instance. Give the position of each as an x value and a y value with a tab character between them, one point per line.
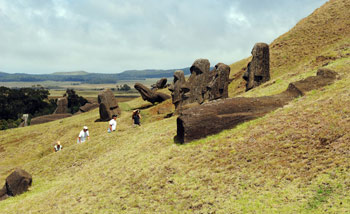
48	118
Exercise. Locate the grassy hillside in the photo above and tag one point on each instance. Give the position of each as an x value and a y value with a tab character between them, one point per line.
315	41
293	160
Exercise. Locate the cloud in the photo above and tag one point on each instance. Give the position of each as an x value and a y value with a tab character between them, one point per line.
42	36
236	18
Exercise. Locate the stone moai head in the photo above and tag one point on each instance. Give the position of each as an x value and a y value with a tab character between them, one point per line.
258	70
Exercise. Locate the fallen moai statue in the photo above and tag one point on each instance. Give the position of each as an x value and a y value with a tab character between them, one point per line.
149	95
108	105
48	118
202	85
258	70
62	106
17	183
213	117
160	84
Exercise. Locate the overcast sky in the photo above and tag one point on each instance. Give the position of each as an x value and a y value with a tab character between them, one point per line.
45	36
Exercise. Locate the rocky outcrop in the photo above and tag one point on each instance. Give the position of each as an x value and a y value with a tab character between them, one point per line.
149	95
62	106
160	84
108	105
48	118
202	85
213	117
17	183
258	70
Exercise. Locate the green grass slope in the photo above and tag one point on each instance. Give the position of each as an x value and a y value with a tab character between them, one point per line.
293	160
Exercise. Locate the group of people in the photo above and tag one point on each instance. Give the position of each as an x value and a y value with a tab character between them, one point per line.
112	126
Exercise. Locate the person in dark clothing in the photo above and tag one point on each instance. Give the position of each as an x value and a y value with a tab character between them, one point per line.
136	116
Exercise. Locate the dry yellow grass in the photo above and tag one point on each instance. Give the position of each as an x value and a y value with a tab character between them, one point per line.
293	160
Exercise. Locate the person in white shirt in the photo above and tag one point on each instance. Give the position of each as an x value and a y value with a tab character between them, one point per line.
83	135
112	126
58	146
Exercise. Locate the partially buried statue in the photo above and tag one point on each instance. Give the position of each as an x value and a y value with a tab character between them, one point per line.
108	105
258	70
16	183
202	85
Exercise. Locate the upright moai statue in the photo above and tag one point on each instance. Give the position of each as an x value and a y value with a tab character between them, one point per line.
176	88
258	70
202	85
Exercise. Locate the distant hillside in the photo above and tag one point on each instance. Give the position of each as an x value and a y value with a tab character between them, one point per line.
71	73
92	78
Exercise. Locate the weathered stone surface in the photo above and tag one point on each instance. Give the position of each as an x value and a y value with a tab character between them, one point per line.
62	106
149	95
17	183
3	193
202	84
213	117
88	107
48	118
198	81
219	81
108	105
160	84
175	88
258	70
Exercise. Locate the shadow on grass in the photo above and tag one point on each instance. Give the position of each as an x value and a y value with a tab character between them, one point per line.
178	141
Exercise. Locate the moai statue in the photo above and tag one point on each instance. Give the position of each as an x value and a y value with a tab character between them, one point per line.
175	88
258	70
219	81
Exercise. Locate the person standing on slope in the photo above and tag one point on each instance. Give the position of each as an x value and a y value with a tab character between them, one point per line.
112	125
83	135
136	116
58	146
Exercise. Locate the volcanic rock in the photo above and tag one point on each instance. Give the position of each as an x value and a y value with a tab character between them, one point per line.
219	81
160	84
108	105
258	70
213	117
17	183
202	84
198	81
175	88
149	95
62	106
